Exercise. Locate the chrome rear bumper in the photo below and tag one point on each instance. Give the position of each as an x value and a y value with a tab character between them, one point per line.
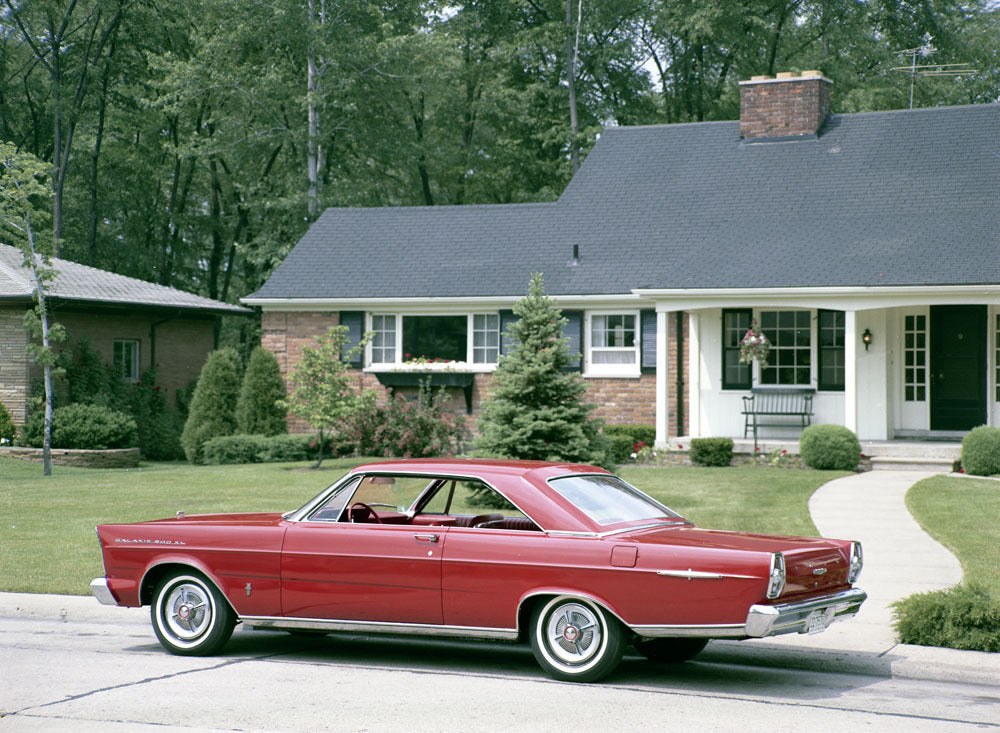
802	617
99	587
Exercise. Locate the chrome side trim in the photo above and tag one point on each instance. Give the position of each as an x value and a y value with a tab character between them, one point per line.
99	587
690	574
713	631
384	627
804	616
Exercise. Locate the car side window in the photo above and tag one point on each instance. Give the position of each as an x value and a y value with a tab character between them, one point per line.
470	503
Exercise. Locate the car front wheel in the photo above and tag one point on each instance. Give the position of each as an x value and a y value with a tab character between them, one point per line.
190	616
576	640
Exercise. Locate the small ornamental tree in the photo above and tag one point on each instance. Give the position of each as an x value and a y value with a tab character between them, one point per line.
322	392
24	192
536	408
212	412
259	410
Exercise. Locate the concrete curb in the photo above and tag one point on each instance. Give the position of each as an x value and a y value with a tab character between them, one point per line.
903	661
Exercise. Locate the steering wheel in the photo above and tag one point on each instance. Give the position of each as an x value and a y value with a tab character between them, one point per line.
361	505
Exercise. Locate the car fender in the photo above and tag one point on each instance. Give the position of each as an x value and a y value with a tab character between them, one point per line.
151	575
528	599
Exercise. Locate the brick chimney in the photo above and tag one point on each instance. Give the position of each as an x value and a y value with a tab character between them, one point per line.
786	107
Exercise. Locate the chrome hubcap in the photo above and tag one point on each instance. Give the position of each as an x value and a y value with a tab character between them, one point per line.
574	633
187	611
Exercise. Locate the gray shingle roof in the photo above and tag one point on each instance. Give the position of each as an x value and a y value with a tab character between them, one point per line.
83	284
877	199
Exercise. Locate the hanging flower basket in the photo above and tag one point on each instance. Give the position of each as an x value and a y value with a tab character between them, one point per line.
754	345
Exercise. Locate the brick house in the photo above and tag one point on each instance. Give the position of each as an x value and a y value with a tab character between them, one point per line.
133	323
866	246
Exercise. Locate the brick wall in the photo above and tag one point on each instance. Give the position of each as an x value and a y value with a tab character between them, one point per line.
787	106
14	380
182	344
619	400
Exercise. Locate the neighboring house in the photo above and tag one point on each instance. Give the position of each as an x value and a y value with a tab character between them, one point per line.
132	323
672	238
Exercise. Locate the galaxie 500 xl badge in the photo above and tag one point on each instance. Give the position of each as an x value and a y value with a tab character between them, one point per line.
149	542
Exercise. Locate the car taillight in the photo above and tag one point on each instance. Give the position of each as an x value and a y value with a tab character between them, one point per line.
777	581
857	562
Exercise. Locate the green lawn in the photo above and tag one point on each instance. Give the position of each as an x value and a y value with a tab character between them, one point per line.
48	545
963	515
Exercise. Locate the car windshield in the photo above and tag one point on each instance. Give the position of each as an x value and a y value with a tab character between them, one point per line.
609	500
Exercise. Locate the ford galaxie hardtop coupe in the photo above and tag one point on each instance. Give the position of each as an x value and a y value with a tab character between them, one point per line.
568	556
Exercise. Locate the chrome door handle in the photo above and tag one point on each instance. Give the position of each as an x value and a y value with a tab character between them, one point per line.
425	537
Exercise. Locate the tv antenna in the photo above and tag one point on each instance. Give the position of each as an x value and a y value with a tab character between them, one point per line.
923	51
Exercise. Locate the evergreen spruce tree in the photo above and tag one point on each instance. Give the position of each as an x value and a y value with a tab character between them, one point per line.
212	412
536	409
258	411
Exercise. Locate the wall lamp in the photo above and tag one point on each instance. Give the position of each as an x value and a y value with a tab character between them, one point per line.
866	338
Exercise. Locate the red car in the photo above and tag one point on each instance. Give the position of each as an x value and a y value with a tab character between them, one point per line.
569	556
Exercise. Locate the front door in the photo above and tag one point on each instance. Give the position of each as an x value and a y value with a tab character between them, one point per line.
958	367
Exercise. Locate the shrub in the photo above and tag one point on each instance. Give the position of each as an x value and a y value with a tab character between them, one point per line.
87	427
212	412
7	428
963	617
258	411
711	451
257	449
830	447
620	447
402	427
634	432
981	451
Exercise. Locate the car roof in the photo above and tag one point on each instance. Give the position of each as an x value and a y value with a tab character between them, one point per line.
522	482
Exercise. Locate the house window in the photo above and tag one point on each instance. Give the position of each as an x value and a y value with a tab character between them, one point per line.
915	358
126	359
735	324
485	338
789	362
614	343
383	339
830	334
997	357
435	338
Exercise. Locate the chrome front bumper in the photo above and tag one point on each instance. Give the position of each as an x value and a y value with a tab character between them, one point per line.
99	587
803	617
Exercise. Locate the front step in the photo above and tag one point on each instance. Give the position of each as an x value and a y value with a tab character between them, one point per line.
932	465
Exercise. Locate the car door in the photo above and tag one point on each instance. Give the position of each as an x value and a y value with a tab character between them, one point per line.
379	571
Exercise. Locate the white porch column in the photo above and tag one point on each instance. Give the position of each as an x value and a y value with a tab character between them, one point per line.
694	373
850	371
662	378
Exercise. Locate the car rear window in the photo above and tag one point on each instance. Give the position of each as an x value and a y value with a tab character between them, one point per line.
609	500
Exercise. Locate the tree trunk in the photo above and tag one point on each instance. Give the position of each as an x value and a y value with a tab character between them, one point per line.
571	82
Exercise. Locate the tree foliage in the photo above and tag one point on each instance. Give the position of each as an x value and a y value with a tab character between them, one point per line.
322	387
212	412
535	410
259	409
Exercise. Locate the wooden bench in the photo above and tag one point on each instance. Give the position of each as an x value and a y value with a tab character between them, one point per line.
772	402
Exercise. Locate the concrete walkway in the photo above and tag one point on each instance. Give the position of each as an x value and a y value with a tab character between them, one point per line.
900	559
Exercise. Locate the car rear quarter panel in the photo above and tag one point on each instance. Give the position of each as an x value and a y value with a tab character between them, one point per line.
232	556
486	574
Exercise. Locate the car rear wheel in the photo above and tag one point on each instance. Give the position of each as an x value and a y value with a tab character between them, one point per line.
190	616
670	650
576	640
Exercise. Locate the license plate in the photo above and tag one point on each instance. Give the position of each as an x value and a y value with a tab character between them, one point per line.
816	622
